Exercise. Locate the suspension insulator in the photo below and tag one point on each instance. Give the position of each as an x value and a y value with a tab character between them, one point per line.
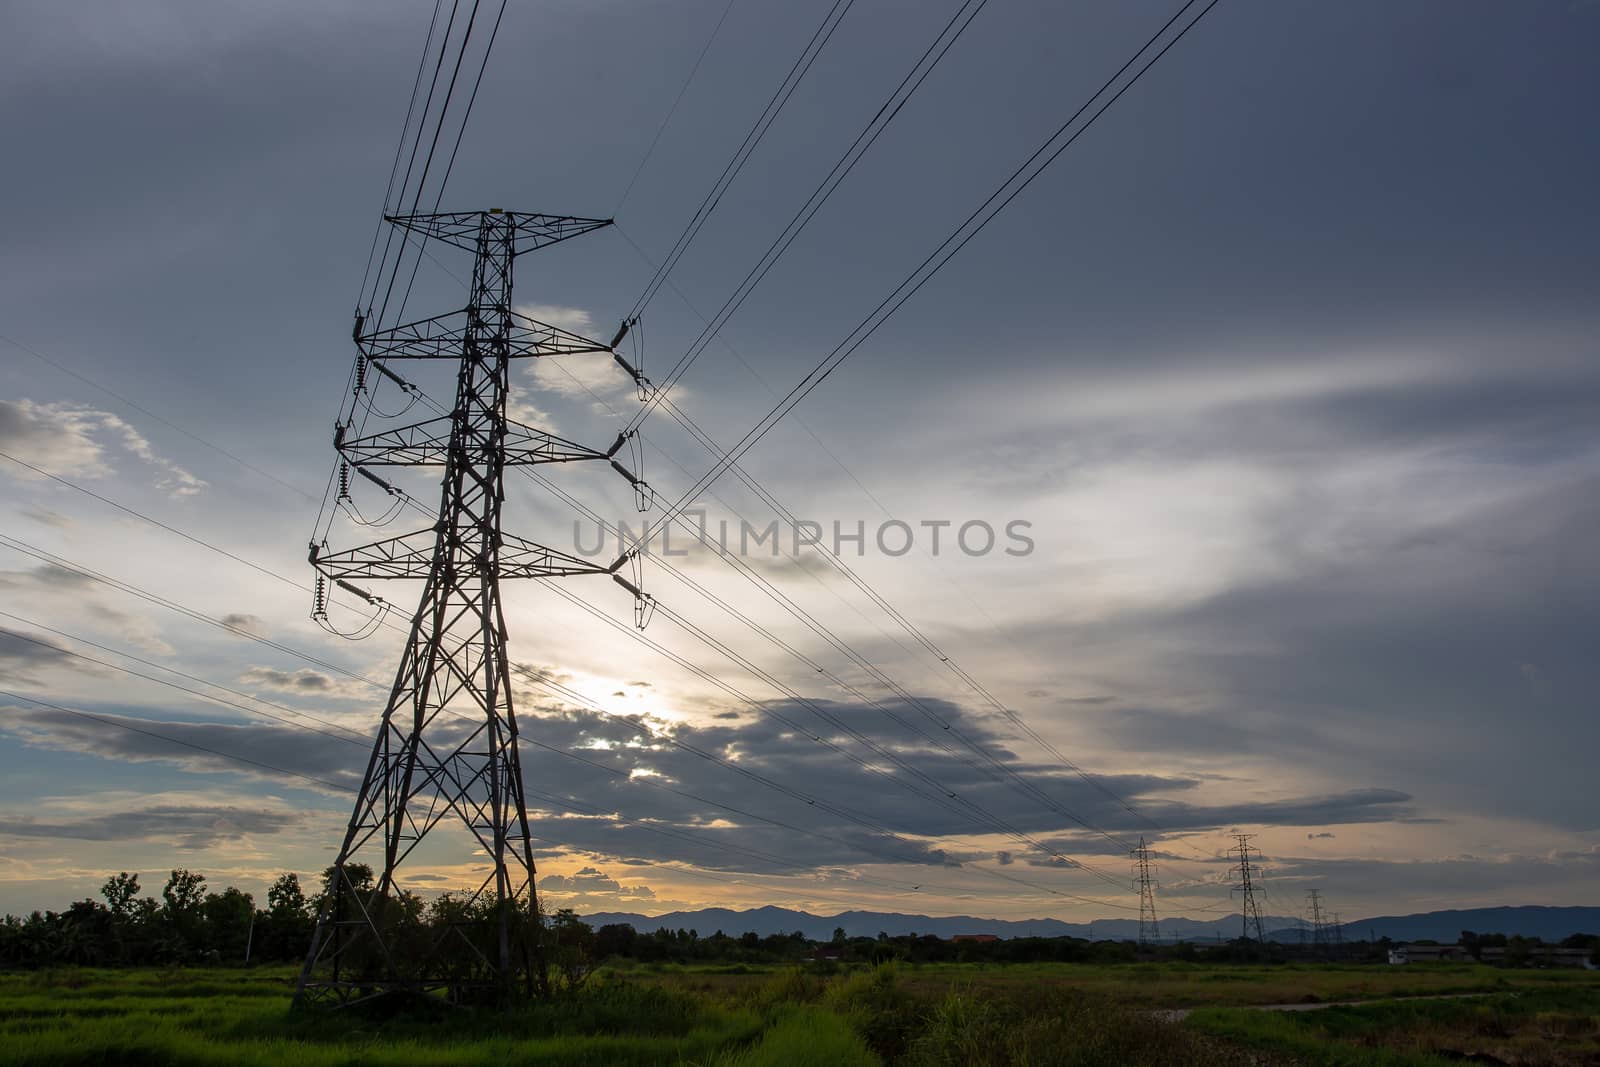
625	365
375	601
377	481
344	480
361	374
622	331
319	598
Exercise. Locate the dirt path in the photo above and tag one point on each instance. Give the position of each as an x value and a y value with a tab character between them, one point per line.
1177	1015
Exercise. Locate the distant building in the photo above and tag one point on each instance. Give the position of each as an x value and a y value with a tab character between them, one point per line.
982	939
1538	955
1428	954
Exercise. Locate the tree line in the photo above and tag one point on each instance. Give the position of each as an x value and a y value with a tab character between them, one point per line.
189	924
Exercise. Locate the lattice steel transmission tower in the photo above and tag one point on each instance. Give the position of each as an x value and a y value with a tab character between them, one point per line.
1244	874
1144	881
1319	925
446	749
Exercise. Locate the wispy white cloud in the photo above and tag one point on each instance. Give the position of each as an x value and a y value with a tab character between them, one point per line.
72	442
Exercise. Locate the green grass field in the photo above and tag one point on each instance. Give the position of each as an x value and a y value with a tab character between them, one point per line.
741	1015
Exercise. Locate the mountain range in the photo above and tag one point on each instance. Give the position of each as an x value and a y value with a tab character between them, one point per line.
1549	923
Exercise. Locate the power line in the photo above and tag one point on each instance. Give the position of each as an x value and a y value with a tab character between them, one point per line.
345	736
909	84
265	571
399	150
120	398
673	110
154	522
839	565
780	97
862	739
121	724
936	798
334	730
772	592
997	201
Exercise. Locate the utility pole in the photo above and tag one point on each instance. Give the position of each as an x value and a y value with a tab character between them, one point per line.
1338	933
1244	874
1144	881
446	749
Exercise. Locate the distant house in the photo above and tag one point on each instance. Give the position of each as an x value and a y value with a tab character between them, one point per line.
982	939
826	952
1428	954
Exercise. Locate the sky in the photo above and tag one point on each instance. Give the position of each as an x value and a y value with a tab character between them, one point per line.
1279	385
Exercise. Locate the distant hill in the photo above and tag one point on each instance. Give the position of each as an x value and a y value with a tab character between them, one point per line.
769	920
1549	923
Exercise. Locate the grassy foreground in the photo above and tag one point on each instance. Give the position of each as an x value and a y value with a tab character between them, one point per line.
755	1017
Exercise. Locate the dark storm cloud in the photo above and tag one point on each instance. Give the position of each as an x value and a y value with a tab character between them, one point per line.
218	747
1159	821
660	802
191	826
771	748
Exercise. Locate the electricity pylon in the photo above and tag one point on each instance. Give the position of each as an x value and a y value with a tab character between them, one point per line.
446	749
1244	873
1319	926
1144	881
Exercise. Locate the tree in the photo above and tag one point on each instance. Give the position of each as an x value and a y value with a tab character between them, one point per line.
182	897
229	916
838	935
574	948
120	891
183	893
285	898
615	939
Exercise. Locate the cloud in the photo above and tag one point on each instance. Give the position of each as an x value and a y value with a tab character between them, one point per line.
571	319
280	754
592	882
191	826
22	656
71	442
250	624
47	576
72	590
305	681
45	517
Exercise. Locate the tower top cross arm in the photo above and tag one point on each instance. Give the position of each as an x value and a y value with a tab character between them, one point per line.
529	231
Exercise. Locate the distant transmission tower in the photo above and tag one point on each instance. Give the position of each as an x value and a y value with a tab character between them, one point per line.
446	750
1337	932
1244	875
1319	926
1144	881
